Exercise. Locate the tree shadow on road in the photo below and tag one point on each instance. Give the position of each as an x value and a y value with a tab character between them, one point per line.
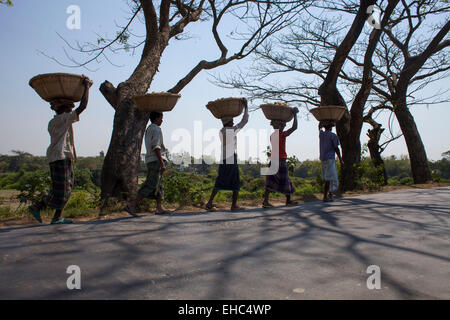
162	250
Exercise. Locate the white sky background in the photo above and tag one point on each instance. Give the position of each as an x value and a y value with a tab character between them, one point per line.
29	26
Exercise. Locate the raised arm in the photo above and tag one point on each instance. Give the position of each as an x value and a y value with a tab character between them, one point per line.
84	100
244	120
294	125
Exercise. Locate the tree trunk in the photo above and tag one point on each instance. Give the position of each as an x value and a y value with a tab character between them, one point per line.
120	168
351	153
349	127
374	149
418	158
350	133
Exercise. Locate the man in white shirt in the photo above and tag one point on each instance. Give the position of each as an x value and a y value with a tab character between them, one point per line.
228	177
156	159
60	155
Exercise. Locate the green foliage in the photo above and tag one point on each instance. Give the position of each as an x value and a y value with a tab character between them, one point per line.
33	186
308	169
440	169
27	162
306	187
5	213
393	182
7	2
252	184
224	196
184	188
189	187
292	163
247	195
21	161
8	213
82	200
397	168
84	180
306	190
407	181
91	163
319	181
251	170
446	155
371	177
7	180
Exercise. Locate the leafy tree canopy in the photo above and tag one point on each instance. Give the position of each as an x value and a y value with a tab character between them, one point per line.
7	2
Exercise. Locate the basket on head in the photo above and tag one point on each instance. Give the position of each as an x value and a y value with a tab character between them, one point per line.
277	124
333	113
226	107
51	86
325	123
158	102
278	111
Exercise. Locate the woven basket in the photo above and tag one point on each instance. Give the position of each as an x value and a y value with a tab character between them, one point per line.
226	107
52	86
158	102
277	112
333	113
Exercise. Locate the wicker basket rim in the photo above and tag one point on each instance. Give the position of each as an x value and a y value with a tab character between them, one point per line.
275	105
161	94
328	107
221	100
54	74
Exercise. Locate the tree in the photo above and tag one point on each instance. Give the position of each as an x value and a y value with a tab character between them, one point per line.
7	2
375	147
407	62
308	48
19	159
349	127
446	155
163	23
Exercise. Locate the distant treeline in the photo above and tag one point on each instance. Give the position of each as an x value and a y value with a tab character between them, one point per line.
396	168
191	185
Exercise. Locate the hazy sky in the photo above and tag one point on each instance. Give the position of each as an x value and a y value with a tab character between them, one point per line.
31	26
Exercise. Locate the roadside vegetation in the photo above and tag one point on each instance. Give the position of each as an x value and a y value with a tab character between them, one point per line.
25	178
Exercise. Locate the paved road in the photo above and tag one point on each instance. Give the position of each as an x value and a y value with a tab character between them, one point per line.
313	251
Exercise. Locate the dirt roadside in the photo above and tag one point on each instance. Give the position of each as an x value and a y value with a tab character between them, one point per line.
7	197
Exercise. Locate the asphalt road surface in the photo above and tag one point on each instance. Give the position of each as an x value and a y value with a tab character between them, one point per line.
313	251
